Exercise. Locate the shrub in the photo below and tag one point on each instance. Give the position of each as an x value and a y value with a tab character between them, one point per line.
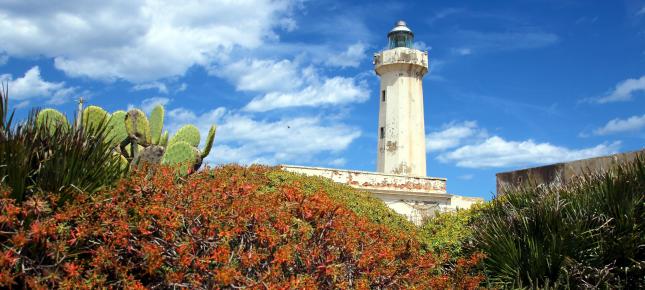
52	158
588	234
216	228
450	232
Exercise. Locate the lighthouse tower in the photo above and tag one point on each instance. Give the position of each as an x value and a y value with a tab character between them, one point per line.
401	133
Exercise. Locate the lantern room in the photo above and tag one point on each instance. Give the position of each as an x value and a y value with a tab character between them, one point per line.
400	36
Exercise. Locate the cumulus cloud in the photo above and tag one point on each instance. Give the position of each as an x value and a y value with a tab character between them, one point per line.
330	91
624	91
452	135
243	139
497	152
261	75
148	104
32	85
351	57
137	40
633	123
159	86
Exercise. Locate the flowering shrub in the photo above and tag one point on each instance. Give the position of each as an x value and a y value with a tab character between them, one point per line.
216	229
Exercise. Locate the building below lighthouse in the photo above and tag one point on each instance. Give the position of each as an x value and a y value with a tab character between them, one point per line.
400	179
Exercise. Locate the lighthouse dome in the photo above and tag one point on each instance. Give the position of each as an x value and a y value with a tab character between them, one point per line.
400	36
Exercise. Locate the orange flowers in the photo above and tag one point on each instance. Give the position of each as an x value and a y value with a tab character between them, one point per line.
217	228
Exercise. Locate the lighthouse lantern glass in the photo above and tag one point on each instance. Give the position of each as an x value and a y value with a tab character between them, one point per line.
400	39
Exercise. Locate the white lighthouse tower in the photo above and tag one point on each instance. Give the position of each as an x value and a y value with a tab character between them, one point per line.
401	133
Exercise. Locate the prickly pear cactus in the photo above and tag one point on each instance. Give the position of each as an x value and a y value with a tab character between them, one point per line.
116	128
137	126
164	139
180	154
52	119
156	123
188	134
93	116
151	155
128	149
209	141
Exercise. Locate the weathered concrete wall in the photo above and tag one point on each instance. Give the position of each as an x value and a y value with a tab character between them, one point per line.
561	173
401	143
414	197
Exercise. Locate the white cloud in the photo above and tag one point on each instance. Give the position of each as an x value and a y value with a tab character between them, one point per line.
338	162
330	91
624	91
242	139
466	176
4	58
351	57
633	123
159	86
463	51
497	152
642	11
452	135
261	75
32	85
138	40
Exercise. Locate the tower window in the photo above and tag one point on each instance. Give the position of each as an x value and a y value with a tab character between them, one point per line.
382	132
383	95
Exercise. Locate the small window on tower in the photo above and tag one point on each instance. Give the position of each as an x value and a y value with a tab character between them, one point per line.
383	95
382	132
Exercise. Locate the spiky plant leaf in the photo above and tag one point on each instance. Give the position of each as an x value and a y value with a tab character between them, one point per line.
52	119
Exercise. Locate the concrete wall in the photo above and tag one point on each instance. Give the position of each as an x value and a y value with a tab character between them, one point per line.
401	143
561	173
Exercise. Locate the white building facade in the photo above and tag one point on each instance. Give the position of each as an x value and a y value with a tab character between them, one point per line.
400	181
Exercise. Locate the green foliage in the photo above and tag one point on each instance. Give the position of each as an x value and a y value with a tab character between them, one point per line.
67	162
588	233
137	126
156	123
209	141
93	116
450	232
117	132
182	155
188	134
164	139
52	120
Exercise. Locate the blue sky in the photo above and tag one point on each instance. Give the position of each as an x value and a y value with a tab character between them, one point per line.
513	84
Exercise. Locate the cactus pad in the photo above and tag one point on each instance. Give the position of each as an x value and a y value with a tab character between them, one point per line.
180	154
116	127
52	119
209	141
137	126
188	134
156	123
164	139
93	116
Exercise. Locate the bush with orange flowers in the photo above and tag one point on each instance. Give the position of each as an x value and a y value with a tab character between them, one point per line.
227	227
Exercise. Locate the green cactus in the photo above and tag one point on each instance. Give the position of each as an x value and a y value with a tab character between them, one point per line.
52	119
181	154
129	150
156	123
137	126
116	128
164	139
188	134
93	116
209	141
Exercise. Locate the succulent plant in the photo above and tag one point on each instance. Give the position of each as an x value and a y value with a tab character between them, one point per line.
164	139
209	141
137	126
181	154
93	116
156	123
117	132
52	119
188	134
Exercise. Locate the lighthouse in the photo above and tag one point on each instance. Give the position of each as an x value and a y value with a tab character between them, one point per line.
401	132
